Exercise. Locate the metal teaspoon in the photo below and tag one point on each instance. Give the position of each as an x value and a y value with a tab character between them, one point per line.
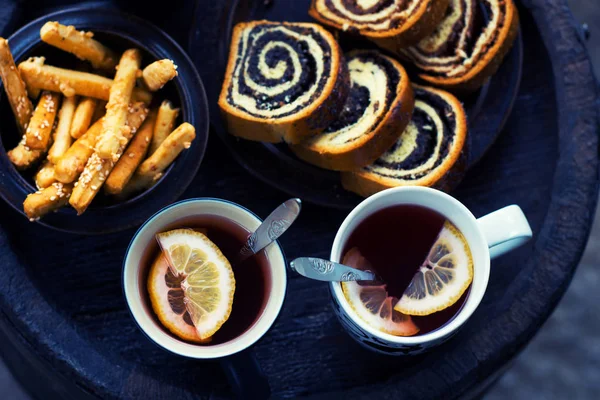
272	228
325	270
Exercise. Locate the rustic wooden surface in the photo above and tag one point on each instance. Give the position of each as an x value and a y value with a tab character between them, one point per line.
63	308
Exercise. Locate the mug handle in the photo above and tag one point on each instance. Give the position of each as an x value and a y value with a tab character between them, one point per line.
505	229
245	376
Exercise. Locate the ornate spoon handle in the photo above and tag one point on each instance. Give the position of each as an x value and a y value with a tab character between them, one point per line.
325	270
272	227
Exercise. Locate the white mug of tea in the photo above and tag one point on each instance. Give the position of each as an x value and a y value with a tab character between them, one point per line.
228	225
465	245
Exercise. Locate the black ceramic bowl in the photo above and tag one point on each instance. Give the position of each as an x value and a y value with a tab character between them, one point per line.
119	31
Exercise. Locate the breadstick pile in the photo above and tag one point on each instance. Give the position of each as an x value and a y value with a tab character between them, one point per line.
86	132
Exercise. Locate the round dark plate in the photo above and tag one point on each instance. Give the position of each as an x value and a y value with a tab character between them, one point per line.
120	31
275	164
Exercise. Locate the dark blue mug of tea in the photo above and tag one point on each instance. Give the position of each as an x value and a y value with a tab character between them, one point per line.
478	240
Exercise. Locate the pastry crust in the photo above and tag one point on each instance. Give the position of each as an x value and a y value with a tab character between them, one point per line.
444	177
293	128
421	23
371	144
489	62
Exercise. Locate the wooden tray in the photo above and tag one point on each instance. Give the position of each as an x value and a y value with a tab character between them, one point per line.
64	324
274	164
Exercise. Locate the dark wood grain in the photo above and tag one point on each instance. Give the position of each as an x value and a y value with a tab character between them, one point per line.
62	293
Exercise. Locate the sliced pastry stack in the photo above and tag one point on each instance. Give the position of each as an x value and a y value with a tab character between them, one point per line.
456	44
428	153
358	113
377	110
469	44
284	81
391	24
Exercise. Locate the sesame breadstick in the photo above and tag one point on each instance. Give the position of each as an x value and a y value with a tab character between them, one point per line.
95	173
165	121
45	200
45	175
153	168
14	87
38	134
83	117
179	140
62	135
69	82
80	44
114	130
157	74
132	157
72	163
22	156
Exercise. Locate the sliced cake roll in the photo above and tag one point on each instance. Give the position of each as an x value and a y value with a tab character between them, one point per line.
284	81
376	112
430	151
469	44
391	24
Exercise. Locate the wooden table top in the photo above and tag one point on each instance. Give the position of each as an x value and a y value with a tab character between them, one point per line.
64	322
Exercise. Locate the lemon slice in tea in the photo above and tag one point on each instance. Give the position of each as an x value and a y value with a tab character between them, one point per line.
207	280
371	302
443	278
166	296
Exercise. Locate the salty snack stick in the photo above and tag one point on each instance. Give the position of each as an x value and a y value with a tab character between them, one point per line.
22	156
179	140
95	173
83	117
49	199
132	157
72	163
158	73
45	175
165	121
152	169
14	87
37	75
79	43
62	136
114	129
38	133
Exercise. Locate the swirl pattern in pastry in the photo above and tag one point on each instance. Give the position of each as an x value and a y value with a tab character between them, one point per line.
284	81
376	112
430	151
468	46
392	24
